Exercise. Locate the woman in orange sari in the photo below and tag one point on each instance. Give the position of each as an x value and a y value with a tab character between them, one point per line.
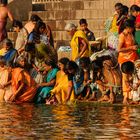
127	52
23	86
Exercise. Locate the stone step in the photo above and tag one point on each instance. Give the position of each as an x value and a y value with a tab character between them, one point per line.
72	14
77	5
59	25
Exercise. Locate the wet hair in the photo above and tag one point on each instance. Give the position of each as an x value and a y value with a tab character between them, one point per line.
118	5
8	42
125	10
2	60
35	18
50	63
64	61
85	61
39	25
4	2
128	67
128	23
134	8
71	65
17	23
83	21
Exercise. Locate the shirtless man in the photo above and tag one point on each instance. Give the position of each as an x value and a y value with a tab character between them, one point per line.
4	14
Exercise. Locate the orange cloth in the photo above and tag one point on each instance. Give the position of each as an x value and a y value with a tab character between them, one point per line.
128	55
4	74
19	76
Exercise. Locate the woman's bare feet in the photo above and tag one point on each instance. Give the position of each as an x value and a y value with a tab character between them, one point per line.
125	101
104	98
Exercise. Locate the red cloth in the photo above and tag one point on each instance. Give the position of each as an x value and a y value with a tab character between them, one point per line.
138	19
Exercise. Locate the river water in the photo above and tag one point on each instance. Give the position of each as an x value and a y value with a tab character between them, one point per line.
74	122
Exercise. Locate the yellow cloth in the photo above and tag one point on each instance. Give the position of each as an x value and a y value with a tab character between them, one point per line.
61	88
2	51
114	27
75	46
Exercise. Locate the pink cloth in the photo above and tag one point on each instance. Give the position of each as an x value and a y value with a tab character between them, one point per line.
3	32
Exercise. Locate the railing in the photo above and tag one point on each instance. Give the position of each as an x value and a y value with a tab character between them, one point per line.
44	1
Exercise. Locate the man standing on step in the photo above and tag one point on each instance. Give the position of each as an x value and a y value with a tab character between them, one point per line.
4	14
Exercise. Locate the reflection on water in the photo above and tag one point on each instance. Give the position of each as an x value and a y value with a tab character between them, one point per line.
81	121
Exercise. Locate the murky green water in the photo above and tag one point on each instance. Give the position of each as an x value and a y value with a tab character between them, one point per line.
78	122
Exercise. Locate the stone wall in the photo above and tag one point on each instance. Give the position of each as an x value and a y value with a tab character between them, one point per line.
58	13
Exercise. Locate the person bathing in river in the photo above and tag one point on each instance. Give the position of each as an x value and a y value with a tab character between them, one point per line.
60	90
45	87
23	86
91	90
4	78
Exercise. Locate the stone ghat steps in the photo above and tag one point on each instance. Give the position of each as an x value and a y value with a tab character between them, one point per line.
72	14
76	4
58	13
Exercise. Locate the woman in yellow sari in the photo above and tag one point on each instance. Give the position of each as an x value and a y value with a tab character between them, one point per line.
79	43
61	87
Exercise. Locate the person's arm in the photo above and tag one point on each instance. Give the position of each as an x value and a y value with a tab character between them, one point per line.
51	83
10	16
121	43
12	98
70	88
83	48
86	77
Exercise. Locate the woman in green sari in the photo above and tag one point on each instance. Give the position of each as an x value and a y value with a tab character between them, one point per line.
49	81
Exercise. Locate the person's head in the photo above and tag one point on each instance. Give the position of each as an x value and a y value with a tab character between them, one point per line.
48	65
4	2
128	26
35	18
84	62
7	44
83	24
125	10
20	61
128	67
71	28
71	67
118	7
62	63
2	61
134	10
17	25
40	27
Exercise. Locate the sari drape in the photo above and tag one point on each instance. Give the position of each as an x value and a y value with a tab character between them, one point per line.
44	92
61	88
75	45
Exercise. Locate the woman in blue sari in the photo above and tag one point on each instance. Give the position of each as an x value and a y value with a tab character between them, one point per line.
49	81
8	52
